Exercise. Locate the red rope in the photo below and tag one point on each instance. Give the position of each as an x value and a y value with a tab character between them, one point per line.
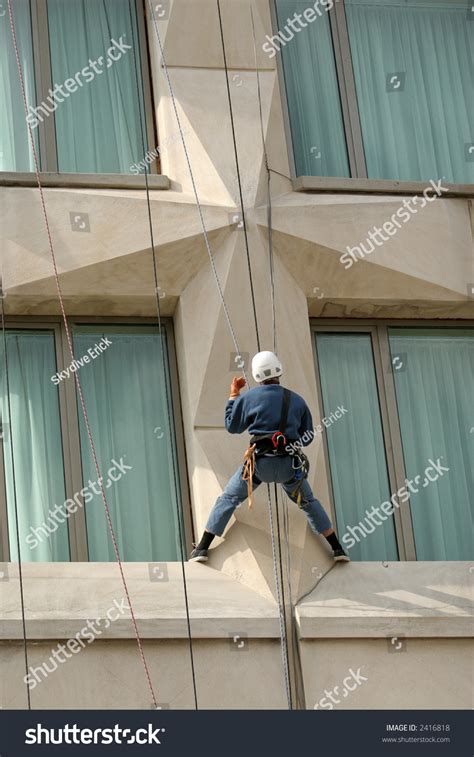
71	351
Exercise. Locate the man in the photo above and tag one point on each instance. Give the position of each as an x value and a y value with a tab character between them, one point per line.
279	421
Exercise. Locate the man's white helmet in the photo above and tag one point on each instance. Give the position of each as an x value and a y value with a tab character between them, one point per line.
265	365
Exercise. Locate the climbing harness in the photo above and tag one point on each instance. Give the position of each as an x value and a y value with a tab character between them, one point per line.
266	445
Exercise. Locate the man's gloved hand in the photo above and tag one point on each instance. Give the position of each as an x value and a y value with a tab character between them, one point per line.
237	384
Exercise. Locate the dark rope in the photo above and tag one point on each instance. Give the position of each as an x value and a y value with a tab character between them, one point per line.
71	351
281	601
273	304
280	558
193	183
234	140
281	619
167	397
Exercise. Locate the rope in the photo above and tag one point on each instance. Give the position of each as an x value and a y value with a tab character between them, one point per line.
231	112
71	351
281	615
268	169
195	192
247	471
167	398
275	349
280	557
249	461
15	498
299	693
216	277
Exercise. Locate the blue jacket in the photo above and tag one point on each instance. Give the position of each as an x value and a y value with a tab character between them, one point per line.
259	411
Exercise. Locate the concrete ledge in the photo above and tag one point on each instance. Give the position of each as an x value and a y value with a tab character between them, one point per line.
360	600
61	597
84	180
374	186
374	600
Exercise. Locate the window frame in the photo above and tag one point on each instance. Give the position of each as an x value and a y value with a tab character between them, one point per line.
358	181
347	94
48	158
391	430
70	438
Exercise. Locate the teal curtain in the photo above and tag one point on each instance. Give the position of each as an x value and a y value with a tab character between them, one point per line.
32	445
312	93
124	390
435	398
423	129
15	150
355	441
98	125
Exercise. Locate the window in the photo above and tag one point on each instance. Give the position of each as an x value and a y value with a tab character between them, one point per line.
434	399
32	449
15	149
46	463
355	445
90	110
126	396
404	445
404	79
313	97
416	126
98	126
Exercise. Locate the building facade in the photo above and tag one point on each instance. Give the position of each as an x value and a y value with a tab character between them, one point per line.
217	175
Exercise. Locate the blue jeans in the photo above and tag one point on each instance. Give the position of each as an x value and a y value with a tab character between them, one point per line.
269	470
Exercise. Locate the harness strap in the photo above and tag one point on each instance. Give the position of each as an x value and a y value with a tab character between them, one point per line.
284	410
279	438
302	474
248	471
277	442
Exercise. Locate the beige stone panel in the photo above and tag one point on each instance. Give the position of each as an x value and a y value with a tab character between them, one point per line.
198	310
192	35
107	672
430	674
315	561
60	598
366	290
110	675
420	249
248	556
13	695
292	326
203	102
118	221
123	285
205	357
212	452
221	366
245	554
200	323
373	599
